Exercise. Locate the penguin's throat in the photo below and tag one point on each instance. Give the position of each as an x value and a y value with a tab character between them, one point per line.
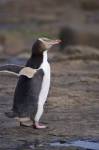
44	64
36	60
45	57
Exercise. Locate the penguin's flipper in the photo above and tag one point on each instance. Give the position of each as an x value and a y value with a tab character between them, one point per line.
28	72
9	68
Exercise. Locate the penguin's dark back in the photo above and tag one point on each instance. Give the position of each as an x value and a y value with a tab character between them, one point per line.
27	93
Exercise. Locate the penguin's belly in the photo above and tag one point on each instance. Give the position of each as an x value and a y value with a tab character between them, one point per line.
45	84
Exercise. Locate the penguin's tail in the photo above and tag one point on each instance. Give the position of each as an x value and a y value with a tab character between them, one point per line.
10	114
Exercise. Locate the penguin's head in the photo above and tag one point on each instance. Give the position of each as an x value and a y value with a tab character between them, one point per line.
43	44
48	43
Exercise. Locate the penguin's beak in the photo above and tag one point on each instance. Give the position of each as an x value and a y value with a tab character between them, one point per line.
54	42
48	43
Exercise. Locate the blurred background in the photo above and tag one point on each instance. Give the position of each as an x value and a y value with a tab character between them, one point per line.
72	109
21	21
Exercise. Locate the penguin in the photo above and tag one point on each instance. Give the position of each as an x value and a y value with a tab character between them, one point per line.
33	85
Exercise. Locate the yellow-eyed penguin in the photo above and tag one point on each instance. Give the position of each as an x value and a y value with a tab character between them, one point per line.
33	84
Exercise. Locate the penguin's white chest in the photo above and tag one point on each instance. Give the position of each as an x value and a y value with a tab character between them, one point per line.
45	83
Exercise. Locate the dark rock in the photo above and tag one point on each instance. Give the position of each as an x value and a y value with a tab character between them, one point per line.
71	36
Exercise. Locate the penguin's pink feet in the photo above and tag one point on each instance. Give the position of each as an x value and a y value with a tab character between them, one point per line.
39	126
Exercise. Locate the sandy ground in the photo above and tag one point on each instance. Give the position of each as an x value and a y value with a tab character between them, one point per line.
71	111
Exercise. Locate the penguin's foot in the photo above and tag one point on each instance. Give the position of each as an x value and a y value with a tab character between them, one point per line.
39	126
26	123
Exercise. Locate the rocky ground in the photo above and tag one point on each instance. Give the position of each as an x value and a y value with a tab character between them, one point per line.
71	111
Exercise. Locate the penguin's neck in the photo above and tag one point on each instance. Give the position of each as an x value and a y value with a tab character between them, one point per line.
45	63
45	56
36	60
